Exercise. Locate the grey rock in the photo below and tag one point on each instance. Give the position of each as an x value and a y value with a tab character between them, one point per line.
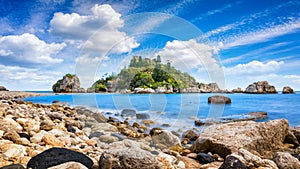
291	139
142	116
165	139
287	90
232	162
128	158
190	134
128	113
57	156
219	100
96	134
286	161
262	87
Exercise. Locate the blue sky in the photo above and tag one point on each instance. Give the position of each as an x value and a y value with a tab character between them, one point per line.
234	43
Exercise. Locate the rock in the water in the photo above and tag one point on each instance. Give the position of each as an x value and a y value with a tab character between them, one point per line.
191	135
287	90
227	138
165	139
142	116
13	166
232	162
204	158
128	157
56	156
68	84
128	113
219	100
286	161
2	88
262	87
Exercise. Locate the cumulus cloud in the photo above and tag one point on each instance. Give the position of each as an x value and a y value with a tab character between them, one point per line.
191	55
28	49
100	29
254	68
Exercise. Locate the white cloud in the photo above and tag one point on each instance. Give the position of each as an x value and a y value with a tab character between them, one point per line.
27	48
99	30
189	55
263	35
30	78
254	68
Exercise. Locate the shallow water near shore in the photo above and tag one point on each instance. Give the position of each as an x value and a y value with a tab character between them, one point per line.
180	110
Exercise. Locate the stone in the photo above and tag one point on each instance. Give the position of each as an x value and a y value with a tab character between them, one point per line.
129	158
286	161
69	165
213	165
11	135
105	127
290	138
232	162
128	113
47	125
219	100
204	158
165	139
13	151
99	117
56	156
225	139
96	134
10	124
296	133
142	116
37	138
107	138
13	166
190	134
190	163
287	90
262	87
52	140
254	161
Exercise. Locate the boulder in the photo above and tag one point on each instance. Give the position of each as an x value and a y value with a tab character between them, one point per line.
128	113
219	100
224	139
232	162
204	158
262	87
56	156
142	116
68	84
127	154
286	161
290	138
254	161
69	165
287	90
2	88
190	134
165	139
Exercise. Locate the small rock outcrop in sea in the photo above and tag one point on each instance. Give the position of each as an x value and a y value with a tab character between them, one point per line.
264	137
219	100
68	84
237	90
2	88
262	87
287	90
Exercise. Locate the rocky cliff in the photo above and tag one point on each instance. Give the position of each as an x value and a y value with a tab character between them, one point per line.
262	87
68	84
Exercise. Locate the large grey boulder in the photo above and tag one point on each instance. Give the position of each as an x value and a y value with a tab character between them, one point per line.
165	139
224	139
286	161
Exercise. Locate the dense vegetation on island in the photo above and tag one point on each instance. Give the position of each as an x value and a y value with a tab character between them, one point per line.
145	73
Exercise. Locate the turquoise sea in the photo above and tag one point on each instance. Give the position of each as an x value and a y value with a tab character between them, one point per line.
180	110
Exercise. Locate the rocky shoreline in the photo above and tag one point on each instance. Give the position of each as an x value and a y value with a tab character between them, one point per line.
57	136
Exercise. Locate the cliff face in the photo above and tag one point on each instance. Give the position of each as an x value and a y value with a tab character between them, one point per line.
262	87
68	84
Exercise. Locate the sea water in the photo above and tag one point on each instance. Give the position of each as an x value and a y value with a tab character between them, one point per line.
180	110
